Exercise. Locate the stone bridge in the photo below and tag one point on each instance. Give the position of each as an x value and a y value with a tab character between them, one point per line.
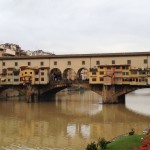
111	94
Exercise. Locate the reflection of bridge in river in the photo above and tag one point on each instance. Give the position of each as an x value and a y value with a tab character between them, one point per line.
41	121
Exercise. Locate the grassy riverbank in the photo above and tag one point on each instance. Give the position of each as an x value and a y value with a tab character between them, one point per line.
125	143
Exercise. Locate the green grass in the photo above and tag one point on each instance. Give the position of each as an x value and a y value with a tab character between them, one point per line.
125	143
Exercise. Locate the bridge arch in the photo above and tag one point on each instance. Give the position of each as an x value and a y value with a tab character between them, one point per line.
122	92
83	74
69	74
55	74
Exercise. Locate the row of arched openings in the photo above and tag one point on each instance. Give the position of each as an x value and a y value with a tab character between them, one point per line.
69	74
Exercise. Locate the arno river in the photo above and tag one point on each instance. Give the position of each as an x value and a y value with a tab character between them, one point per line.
70	121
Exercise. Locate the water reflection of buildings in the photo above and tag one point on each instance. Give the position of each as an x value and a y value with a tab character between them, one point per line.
65	123
78	129
78	103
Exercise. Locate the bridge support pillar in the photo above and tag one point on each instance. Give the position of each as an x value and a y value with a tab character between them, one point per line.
109	95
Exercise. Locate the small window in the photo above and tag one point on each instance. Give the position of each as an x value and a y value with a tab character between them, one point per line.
101	79
36	72
42	63
133	72
83	62
30	72
93	79
69	62
42	73
123	73
93	73
55	63
3	63
16	80
97	62
145	61
113	61
29	63
8	80
118	67
109	68
36	79
25	73
101	72
42	79
129	62
16	63
125	67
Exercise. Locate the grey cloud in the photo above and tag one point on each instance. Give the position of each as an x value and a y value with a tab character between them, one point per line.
75	26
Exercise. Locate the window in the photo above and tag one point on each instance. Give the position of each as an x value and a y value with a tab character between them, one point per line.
36	72
129	62
36	79
42	63
42	73
16	80
117	67
145	61
55	62
30	72
101	72
101	79
83	62
42	79
69	62
125	67
97	62
29	63
3	63
9	74
25	73
16	63
109	68
142	72
93	73
113	61
101	67
93	79
133	72
8	80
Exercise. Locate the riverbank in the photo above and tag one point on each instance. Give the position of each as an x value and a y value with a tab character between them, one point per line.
126	143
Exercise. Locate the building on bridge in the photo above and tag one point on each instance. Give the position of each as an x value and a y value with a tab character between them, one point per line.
119	68
119	75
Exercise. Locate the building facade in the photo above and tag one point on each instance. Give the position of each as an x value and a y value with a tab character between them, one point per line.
107	69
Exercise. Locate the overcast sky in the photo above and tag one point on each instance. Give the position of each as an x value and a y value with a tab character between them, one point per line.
76	26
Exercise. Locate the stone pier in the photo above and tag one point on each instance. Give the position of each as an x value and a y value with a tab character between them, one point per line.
109	95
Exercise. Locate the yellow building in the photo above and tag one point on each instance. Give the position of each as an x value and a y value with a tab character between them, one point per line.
27	75
33	76
109	74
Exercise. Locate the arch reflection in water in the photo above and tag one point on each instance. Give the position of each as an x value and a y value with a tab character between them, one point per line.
79	102
71	130
85	130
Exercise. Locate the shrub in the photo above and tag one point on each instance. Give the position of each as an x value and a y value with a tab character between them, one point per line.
91	146
102	143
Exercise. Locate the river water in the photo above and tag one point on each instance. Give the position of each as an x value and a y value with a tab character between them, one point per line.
69	121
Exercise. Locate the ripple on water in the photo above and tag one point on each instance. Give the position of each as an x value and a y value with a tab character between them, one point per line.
22	147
